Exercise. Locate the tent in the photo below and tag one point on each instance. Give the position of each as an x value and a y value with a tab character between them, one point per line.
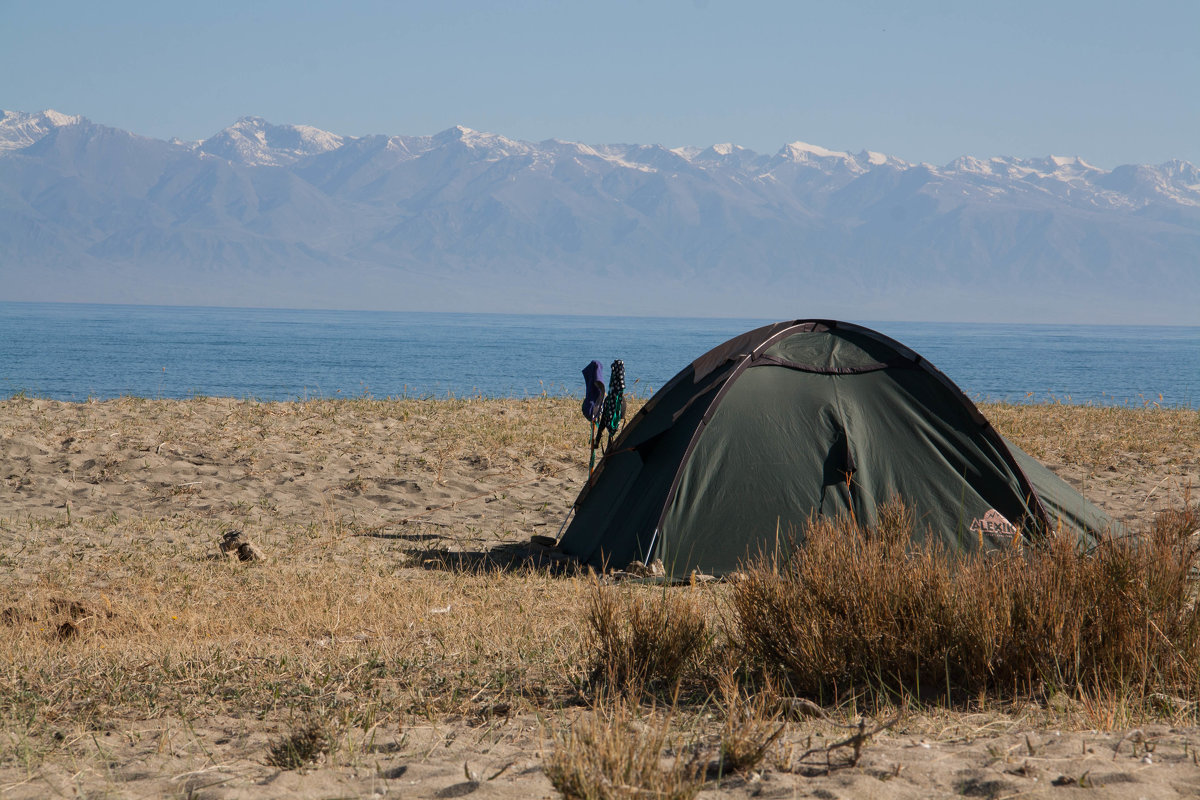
810	417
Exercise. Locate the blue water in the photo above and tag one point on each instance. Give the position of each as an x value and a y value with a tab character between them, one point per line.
76	352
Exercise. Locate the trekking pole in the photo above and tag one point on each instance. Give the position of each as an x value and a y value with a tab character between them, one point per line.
592	438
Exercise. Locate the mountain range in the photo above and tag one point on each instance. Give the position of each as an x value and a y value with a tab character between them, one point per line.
293	216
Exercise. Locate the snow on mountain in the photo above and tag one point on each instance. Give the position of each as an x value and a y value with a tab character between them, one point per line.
255	142
879	159
489	146
728	156
1175	182
1078	183
18	129
815	155
463	219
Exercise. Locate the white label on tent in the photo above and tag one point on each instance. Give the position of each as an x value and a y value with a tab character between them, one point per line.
995	527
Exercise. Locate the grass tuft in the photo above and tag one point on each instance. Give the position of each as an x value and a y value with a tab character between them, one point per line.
307	742
612	754
645	640
753	724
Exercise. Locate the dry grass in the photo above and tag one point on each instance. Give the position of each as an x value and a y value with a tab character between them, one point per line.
753	723
858	609
306	744
646	640
1100	438
325	630
142	620
109	618
615	753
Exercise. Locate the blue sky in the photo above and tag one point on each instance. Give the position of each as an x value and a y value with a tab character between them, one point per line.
1112	82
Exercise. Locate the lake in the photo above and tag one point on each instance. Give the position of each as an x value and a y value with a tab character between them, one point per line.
80	351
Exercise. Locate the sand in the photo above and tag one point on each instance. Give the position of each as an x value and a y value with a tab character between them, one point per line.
412	482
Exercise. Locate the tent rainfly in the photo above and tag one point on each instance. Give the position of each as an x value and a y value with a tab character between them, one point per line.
811	417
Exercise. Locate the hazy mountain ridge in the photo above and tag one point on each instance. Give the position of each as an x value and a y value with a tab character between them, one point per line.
267	214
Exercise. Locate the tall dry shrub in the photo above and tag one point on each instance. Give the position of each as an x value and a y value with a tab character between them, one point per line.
857	607
849	606
644	640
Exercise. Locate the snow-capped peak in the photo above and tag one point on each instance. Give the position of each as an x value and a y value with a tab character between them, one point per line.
254	141
495	145
1175	181
574	148
803	151
873	158
1069	161
19	129
1062	166
815	155
456	133
976	166
59	120
474	138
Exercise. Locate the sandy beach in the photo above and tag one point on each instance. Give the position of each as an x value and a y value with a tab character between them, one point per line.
138	661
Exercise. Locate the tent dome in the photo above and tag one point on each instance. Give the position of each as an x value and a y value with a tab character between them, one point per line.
802	418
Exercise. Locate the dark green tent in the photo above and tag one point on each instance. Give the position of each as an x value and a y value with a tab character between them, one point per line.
746	444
